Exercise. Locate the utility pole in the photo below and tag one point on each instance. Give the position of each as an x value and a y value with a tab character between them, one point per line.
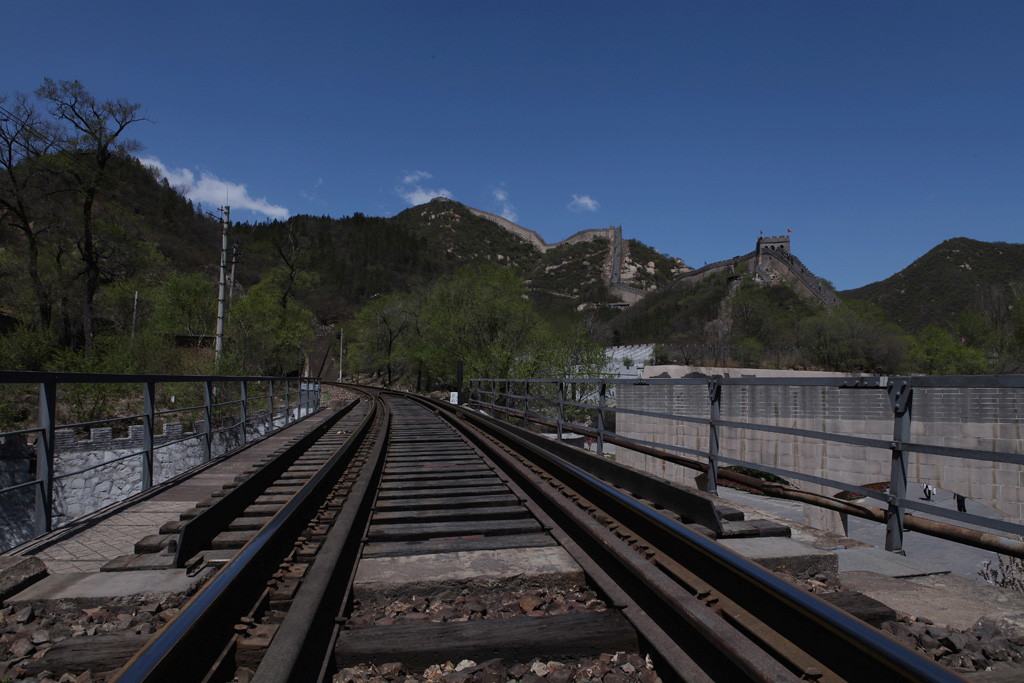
341	349
231	287
225	218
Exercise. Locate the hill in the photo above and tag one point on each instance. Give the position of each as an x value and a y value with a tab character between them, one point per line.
958	274
158	264
357	257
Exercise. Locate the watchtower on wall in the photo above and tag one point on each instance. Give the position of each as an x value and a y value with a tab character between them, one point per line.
777	245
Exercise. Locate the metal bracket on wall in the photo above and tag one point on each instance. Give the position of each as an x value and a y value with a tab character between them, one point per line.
899	393
713	387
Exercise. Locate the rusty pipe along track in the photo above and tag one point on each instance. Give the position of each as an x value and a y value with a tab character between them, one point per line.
768	629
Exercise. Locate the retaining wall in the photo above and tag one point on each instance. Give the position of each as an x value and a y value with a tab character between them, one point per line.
984	419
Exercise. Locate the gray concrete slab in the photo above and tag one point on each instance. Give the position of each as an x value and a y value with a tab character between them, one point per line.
800	559
107	585
17	573
505	569
885	563
950	600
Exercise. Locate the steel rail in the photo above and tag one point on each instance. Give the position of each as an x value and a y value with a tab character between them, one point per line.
305	637
833	636
690	640
199	531
176	652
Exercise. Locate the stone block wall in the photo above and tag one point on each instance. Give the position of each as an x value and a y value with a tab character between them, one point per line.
15	506
985	419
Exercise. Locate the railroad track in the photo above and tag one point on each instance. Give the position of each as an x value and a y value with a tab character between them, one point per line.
431	535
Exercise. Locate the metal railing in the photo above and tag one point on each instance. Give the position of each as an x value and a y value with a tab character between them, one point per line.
563	404
227	405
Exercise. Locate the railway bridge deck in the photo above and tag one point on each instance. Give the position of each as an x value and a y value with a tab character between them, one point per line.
450	510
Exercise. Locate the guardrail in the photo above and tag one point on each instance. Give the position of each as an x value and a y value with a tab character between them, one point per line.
226	403
585	406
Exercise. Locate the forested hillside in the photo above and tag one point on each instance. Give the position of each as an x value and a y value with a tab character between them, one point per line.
939	286
104	268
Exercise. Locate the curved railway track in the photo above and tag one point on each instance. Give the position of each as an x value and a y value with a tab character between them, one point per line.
426	534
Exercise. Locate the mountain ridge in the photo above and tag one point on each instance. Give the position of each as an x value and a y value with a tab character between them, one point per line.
951	276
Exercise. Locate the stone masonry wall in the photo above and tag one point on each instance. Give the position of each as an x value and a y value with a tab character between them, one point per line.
984	419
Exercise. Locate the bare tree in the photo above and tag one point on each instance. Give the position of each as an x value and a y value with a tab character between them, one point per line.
26	138
90	141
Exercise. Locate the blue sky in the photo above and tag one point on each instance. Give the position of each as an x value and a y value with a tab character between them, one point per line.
871	130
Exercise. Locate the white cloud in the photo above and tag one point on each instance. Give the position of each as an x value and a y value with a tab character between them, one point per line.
583	202
213	191
507	211
417	194
415	177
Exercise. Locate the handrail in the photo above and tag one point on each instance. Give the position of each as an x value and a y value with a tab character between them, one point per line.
544	401
300	396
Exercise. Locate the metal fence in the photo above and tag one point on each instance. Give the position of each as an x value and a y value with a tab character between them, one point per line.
588	406
220	404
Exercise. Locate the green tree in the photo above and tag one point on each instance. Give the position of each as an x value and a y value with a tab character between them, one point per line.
26	139
267	338
382	327
92	140
764	322
481	316
851	339
186	303
934	351
570	352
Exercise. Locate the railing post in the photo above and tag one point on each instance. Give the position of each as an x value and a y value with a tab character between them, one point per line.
900	396
561	407
600	419
508	401
526	406
45	455
271	404
245	398
148	425
301	407
287	401
209	420
715	397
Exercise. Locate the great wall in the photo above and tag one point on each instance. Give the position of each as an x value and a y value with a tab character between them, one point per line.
771	262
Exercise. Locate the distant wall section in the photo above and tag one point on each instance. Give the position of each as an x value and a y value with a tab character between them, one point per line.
772	261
